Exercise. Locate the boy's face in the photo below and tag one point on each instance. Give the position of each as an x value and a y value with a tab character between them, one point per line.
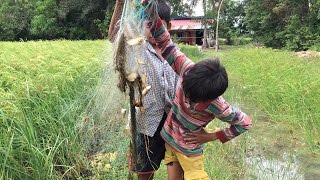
148	35
167	25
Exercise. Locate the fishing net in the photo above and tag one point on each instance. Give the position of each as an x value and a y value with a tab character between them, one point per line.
129	60
104	121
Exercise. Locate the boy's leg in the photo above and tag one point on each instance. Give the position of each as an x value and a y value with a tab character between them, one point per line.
174	171
193	167
181	166
145	176
150	152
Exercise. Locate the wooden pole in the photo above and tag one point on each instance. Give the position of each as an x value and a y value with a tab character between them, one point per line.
133	143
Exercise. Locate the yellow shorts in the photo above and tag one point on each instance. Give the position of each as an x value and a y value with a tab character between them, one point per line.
193	167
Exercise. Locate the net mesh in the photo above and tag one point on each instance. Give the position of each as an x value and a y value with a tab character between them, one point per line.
103	124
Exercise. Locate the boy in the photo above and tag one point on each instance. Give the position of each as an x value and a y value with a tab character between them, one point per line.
161	77
197	102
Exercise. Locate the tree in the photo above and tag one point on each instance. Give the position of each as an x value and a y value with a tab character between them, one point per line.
205	33
217	28
231	19
44	23
15	17
228	15
205	21
80	18
51	19
287	23
179	8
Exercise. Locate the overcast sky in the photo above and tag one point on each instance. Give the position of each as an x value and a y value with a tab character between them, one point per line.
198	11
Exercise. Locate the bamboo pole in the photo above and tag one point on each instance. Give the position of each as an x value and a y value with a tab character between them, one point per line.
133	143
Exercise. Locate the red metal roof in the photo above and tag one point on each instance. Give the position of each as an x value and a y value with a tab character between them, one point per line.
184	24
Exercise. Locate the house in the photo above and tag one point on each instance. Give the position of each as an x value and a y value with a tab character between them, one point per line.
187	30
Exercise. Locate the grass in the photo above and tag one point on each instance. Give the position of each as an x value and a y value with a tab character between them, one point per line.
281	85
278	84
45	88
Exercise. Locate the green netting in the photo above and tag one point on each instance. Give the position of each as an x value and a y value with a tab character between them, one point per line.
103	124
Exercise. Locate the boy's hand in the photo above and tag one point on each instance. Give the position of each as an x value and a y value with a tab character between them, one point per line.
144	2
199	137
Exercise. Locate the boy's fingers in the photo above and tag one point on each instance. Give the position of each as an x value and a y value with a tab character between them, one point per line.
144	2
191	140
188	135
188	139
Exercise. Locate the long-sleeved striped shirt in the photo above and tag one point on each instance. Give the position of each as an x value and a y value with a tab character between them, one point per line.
185	116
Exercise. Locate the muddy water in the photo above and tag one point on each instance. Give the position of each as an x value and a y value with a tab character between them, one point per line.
261	166
277	151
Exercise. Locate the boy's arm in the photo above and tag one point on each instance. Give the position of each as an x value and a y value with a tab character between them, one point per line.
238	120
177	60
116	16
200	137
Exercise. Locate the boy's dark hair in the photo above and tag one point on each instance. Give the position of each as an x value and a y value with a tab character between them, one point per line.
206	80
164	11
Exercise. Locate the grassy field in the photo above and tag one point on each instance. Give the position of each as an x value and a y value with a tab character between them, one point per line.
45	88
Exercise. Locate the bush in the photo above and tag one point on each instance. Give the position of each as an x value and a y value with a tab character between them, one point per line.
315	47
192	52
297	36
223	41
236	41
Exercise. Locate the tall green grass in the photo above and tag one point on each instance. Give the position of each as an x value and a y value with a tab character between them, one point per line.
279	84
44	87
222	161
280	91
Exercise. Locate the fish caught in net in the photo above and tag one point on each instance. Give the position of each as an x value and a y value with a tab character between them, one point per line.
102	120
129	60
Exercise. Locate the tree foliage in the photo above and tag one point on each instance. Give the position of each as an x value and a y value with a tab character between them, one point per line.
51	19
15	18
293	24
180	8
232	20
44	23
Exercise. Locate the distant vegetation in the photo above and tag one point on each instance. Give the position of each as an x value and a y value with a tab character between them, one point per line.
290	24
46	86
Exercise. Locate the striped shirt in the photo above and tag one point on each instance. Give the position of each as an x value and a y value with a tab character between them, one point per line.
185	116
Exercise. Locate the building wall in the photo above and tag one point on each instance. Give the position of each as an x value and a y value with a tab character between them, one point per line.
190	37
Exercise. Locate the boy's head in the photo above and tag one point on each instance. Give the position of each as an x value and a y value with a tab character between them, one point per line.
164	11
206	80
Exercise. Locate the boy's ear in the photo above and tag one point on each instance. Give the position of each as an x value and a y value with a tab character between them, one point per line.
169	26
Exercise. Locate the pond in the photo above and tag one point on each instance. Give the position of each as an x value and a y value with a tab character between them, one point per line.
276	152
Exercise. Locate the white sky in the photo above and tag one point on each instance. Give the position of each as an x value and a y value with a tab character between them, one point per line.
198	10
